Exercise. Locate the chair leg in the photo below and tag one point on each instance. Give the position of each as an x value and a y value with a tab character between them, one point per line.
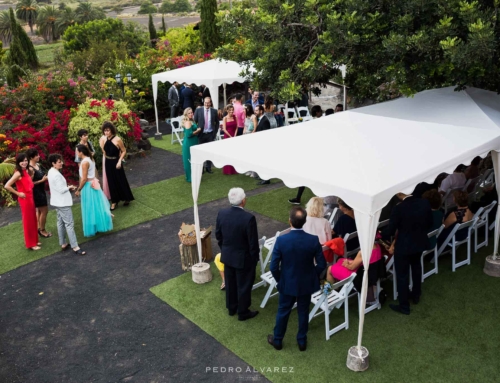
394	282
453	258
327	321
346	308
468	251
436	259
475	240
422	265
486	231
268	294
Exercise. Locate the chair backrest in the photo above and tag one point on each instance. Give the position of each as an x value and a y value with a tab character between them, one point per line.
176	123
303	111
291	113
474	183
489	177
270	252
451	237
484	212
382	224
332	216
348	237
435	233
342	289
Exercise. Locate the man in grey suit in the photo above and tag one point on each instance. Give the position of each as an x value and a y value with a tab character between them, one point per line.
173	99
208	120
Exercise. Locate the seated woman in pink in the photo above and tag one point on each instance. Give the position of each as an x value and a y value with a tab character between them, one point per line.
345	267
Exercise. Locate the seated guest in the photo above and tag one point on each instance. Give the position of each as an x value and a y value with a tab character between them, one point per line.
460	214
434	199
473	170
422	187
316	111
339	108
317	225
329	111
453	181
346	225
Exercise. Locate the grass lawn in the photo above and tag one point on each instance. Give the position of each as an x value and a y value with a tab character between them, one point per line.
451	336
45	52
165	144
151	201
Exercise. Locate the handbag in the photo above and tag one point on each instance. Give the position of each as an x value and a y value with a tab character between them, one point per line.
95	184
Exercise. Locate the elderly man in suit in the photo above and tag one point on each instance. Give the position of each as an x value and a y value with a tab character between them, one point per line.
293	268
60	198
207	119
412	219
236	233
173	99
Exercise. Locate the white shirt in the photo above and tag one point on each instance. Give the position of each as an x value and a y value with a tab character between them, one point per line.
453	181
206	112
91	171
60	195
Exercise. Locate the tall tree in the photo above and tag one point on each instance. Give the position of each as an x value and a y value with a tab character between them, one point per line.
86	12
209	32
46	22
5	27
153	36
28	48
15	59
27	10
65	19
163	24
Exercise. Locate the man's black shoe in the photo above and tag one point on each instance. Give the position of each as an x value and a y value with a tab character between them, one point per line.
302	347
270	340
294	201
415	300
209	171
232	313
398	309
263	182
249	315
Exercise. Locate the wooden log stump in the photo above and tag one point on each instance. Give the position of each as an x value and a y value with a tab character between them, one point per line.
189	256
357	363
201	273
492	266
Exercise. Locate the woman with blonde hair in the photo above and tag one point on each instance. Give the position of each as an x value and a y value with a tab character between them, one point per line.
316	224
191	132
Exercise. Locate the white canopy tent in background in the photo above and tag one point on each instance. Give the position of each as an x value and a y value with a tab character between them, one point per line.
367	155
211	73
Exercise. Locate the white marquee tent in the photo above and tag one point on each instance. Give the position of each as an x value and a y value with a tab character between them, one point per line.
367	155
211	73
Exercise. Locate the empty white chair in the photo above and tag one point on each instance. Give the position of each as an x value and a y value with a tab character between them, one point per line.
291	113
177	130
334	300
434	270
483	221
261	263
452	242
303	111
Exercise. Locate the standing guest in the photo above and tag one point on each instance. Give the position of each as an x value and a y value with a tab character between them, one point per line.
236	233
263	122
173	99
239	113
24	186
191	132
250	120
339	108
412	219
188	97
317	225
269	109
229	127
329	111
346	225
249	94
297	261
105	187
115	151
60	198
96	214
39	195
455	180
207	119
203	93
83	134
254	101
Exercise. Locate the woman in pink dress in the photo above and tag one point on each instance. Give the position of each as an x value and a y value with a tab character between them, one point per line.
24	192
230	128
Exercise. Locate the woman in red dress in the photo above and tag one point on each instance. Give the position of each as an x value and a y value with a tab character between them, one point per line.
230	128
24	192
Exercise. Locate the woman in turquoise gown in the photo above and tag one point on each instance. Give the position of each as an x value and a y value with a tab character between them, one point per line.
191	132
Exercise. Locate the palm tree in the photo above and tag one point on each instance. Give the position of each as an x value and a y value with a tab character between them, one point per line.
5	29
46	22
66	19
27	10
7	169
86	12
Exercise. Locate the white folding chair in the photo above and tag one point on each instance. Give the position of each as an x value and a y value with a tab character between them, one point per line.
177	130
303	111
334	300
267	277
291	113
348	237
261	263
374	306
489	178
434	270
452	242
483	220
382	224
333	217
280	108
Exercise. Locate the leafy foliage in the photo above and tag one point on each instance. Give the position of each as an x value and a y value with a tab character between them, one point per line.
46	22
100	54
15	60
175	6
209	31
27	10
184	40
5	27
86	12
28	48
152	30
147	7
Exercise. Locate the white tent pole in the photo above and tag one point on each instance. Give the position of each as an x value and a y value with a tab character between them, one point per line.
286	113
345	98
196	172
495	156
155	96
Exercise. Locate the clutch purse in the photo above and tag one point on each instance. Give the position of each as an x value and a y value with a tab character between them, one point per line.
95	184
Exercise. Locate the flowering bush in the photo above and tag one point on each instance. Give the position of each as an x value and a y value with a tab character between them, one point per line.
92	113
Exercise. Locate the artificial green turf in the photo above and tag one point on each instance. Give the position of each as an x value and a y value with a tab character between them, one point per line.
165	144
451	336
151	201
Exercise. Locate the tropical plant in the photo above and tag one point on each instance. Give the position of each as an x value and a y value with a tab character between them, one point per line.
8	166
209	32
65	20
27	10
5	27
86	12
46	22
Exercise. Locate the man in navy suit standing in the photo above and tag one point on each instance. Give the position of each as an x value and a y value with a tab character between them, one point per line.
293	269
236	233
187	97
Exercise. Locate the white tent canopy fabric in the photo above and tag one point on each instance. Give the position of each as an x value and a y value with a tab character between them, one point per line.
211	73
367	155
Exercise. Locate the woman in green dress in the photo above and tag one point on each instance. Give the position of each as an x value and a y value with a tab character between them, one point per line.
191	132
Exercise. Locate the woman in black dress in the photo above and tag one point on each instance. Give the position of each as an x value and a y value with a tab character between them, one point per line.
115	151
39	195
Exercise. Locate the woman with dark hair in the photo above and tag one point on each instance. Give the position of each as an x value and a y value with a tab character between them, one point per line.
250	120
269	108
230	129
460	214
24	186
39	195
316	111
346	225
115	151
96	216
83	135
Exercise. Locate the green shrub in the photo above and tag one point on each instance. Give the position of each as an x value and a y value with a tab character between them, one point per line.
100	53
146	8
175	6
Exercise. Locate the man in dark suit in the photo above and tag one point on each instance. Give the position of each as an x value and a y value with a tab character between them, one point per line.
412	219
208	120
236	233
173	99
264	123
293	269
188	97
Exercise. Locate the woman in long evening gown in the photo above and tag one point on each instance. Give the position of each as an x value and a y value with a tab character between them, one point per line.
105	187
24	192
230	128
115	151
39	195
191	132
